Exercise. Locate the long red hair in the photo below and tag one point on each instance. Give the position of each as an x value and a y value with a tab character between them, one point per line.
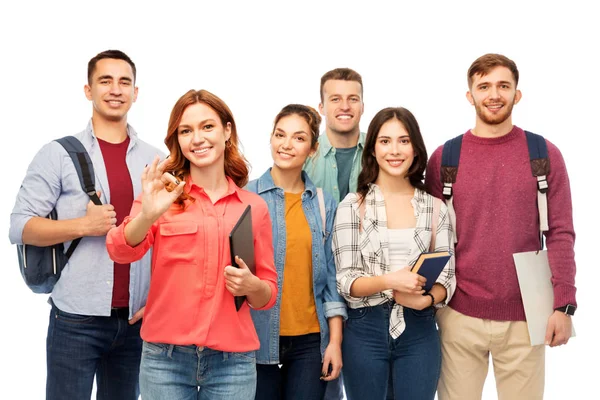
236	165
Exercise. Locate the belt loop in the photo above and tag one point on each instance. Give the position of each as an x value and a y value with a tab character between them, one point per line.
170	350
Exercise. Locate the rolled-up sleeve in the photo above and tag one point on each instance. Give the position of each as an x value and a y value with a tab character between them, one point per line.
39	190
118	249
334	305
263	250
444	242
346	249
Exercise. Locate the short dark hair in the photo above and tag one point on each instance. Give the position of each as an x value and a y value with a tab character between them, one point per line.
114	54
487	62
370	168
341	74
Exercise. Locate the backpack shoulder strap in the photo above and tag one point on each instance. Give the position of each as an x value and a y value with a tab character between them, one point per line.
85	171
448	173
540	168
449	168
322	207
83	165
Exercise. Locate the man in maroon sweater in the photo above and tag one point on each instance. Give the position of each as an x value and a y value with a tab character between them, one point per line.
494	198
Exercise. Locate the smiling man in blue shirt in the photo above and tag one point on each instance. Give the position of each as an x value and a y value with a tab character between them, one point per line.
97	305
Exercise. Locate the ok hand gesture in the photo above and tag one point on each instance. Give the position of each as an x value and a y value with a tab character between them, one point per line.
157	198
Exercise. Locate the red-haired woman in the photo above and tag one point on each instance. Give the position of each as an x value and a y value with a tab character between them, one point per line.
195	343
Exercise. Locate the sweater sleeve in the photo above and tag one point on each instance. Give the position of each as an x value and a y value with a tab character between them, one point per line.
560	237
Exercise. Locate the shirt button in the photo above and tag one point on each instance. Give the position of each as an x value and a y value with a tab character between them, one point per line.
108	282
335	188
334	167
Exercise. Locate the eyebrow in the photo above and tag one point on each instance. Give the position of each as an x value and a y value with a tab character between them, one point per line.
124	78
389	137
201	123
295	133
499	82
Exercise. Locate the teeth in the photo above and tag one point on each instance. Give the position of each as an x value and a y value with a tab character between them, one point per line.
344	117
201	151
395	163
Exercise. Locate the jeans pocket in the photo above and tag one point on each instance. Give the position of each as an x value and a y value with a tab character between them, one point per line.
153	348
357	313
73	318
425	314
245	355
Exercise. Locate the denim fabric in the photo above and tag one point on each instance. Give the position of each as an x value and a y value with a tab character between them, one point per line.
327	300
335	389
81	346
299	375
199	373
369	352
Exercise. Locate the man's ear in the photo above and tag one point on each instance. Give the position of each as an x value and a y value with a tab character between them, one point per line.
470	98
87	89
518	96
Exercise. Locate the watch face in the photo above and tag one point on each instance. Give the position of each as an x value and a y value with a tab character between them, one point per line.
570	309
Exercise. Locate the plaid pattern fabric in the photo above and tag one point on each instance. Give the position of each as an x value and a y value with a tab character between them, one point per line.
364	253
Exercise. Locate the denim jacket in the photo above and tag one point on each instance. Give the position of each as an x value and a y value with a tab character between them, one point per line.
327	300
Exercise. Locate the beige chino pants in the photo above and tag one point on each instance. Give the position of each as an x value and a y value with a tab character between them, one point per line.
467	343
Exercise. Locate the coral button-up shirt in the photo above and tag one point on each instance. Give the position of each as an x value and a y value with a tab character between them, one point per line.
188	302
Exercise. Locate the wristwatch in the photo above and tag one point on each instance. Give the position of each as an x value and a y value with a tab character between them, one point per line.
569	309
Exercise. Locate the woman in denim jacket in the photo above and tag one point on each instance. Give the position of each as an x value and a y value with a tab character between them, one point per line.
303	331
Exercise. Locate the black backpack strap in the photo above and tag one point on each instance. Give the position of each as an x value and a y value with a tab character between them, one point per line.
448	172
540	168
449	168
85	171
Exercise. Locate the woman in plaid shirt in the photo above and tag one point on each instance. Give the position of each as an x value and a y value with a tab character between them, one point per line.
391	327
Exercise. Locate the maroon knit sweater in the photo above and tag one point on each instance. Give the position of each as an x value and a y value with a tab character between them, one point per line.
495	198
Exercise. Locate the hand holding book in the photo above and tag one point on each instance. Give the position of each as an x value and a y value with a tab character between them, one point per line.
430	265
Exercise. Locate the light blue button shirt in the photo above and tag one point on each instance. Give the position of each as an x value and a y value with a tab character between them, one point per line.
86	283
322	167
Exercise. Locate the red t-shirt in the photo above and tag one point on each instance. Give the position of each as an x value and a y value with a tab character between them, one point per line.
121	197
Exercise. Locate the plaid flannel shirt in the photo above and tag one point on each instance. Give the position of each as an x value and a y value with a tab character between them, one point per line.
365	252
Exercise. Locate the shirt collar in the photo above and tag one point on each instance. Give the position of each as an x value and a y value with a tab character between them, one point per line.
89	137
232	188
325	145
265	183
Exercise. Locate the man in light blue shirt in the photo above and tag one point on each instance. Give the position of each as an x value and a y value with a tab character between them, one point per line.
97	305
337	162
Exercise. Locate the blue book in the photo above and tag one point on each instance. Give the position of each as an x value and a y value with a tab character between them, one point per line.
430	265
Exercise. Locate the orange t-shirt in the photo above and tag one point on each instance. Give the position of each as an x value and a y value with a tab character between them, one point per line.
298	314
188	302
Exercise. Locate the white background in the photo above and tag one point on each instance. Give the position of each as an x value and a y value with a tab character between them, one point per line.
259	57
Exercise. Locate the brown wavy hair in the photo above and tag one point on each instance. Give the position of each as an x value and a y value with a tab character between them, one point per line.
308	114
236	165
370	168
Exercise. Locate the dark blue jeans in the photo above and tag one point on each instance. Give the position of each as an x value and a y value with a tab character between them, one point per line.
79	347
371	355
299	375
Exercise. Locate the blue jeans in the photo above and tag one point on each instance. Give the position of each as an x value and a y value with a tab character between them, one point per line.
371	355
300	373
81	346
170	372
